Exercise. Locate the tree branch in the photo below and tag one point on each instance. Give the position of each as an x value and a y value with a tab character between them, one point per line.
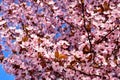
100	40
82	1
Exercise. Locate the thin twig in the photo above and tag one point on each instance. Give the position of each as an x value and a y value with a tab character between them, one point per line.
100	40
85	25
70	24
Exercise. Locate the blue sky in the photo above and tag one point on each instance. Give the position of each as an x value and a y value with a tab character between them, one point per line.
4	75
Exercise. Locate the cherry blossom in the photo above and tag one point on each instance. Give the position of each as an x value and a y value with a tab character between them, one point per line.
61	39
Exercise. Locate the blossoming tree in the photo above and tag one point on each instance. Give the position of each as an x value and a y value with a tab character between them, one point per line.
61	39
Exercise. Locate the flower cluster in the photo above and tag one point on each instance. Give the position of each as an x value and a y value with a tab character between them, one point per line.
61	39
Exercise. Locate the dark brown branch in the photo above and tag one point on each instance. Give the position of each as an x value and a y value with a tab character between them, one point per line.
83	11
52	10
100	40
61	18
70	24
